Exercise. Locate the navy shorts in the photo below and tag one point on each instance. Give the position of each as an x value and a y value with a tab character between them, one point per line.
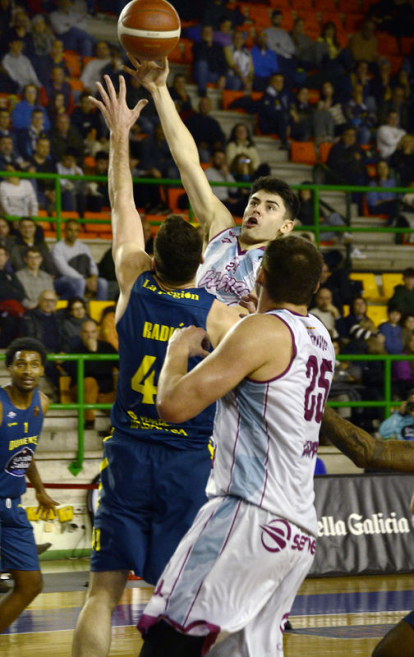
410	619
149	498
17	544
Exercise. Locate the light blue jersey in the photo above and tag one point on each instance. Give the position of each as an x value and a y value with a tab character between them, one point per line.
228	272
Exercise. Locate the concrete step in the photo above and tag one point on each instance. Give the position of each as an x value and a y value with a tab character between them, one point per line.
227	120
294	174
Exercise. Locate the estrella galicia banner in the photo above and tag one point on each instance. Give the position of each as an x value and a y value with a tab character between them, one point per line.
364	524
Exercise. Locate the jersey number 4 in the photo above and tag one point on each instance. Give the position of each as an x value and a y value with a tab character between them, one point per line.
315	400
143	380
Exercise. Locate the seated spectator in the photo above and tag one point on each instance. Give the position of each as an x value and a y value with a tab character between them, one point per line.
402	79
17	196
325	310
43	324
403	370
69	24
73	317
304	46
6	239
22	112
328	118
156	155
87	121
58	106
239	64
97	191
28	234
335	276
180	96
209	62
11	297
99	376
274	110
400	425
301	116
17	65
403	297
76	267
357	326
402	160
9	155
363	44
241	142
361	75
5	123
389	136
241	168
64	136
93	69
280	41
397	103
407	325
333	61
345	383
56	57
33	279
107	328
22	29
41	162
106	265
358	114
265	62
56	84
219	172
206	130
43	39
115	67
383	202
223	35
346	160
392	331
73	193
27	138
381	82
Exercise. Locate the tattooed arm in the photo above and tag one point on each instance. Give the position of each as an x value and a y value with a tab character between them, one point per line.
364	450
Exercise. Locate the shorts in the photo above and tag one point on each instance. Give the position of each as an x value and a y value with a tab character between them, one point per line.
17	544
409	619
235	573
149	498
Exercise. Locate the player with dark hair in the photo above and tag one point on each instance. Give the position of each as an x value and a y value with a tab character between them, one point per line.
238	568
22	408
233	254
154	473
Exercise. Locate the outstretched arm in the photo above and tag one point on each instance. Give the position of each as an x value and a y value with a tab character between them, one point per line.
209	211
364	450
128	246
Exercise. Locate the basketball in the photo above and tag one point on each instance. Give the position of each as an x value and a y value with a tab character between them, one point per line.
149	29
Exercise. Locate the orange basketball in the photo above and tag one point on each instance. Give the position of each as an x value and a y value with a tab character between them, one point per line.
149	29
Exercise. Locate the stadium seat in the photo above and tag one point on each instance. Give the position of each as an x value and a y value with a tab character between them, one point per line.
173	194
396	61
349	7
314	96
324	150
76	84
303	152
260	14
389	281
96	308
377	314
387	44
182	53
73	63
95	227
301	5
61	303
371	291
352	22
406	45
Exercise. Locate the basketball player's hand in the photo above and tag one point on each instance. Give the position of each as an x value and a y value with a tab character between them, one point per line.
47	506
149	74
194	340
118	117
250	302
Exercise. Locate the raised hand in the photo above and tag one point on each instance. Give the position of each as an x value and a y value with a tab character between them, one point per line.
149	74
118	117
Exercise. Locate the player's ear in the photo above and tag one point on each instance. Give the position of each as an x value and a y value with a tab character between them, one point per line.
153	264
201	258
318	284
286	227
260	277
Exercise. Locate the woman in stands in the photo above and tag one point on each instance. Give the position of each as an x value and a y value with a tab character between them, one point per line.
241	142
383	202
75	314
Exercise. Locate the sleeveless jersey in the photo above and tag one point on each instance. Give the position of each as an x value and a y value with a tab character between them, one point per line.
227	271
267	433
151	317
19	435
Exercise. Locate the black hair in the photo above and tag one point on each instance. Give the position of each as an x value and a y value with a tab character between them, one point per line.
352	304
25	344
293	268
409	272
232	137
177	250
276	186
72	301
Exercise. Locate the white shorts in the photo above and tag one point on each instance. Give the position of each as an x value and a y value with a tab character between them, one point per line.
235	572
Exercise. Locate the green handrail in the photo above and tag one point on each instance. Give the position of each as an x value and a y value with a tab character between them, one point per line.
80	406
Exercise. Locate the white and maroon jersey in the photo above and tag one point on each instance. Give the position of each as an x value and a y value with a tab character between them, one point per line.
227	271
267	433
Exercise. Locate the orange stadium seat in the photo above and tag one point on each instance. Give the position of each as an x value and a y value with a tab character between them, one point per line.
325	5
353	22
76	84
303	152
307	5
72	61
324	150
173	194
406	44
182	53
349	6
260	14
387	44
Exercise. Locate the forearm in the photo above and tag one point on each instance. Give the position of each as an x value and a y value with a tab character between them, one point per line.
171	390
363	449
33	476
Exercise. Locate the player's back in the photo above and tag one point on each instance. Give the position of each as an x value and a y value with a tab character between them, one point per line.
267	432
19	435
151	317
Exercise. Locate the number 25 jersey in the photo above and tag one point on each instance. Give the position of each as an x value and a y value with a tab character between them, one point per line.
151	317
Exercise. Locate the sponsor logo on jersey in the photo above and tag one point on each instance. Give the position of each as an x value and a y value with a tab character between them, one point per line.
36	411
11	414
357	525
275	535
19	462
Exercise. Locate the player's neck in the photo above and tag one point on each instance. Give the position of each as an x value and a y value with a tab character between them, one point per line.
247	246
266	304
19	398
167	286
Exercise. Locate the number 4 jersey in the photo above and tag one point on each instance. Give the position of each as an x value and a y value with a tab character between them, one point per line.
267	433
151	317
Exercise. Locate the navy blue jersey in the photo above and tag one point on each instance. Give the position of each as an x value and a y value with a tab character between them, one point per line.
151	317
19	435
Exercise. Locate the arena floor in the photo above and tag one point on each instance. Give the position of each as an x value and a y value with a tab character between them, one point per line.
338	616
